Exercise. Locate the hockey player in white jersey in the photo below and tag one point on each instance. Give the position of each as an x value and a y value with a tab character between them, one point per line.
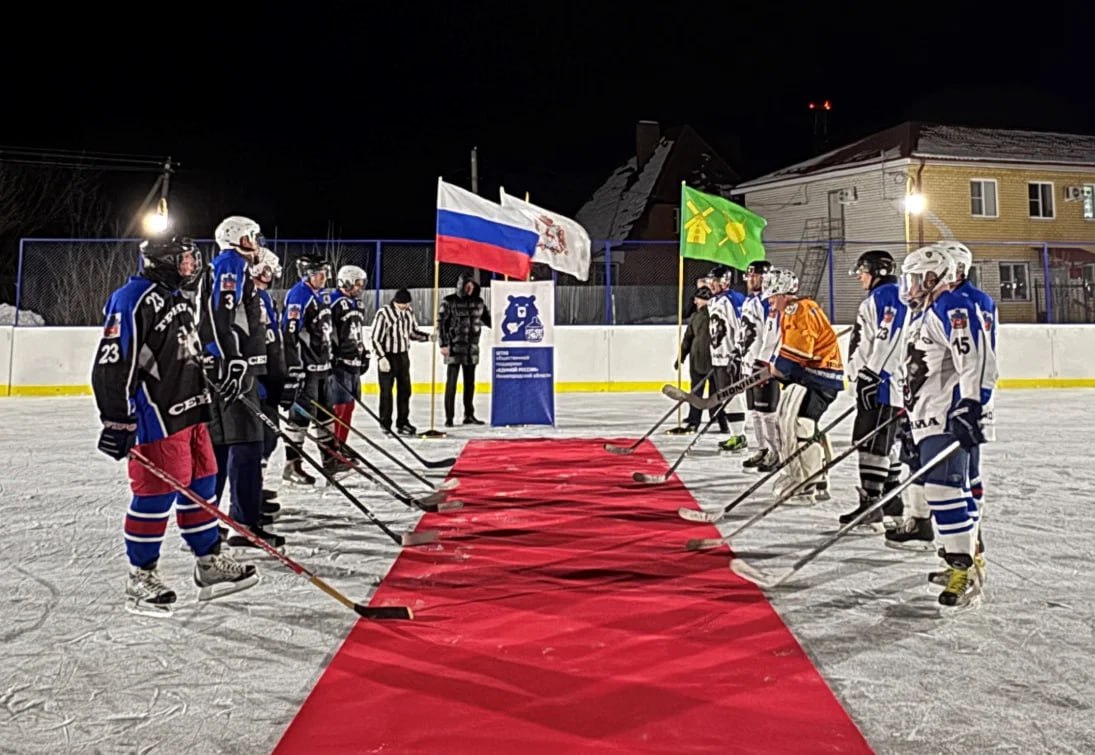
724	321
945	359
873	374
757	353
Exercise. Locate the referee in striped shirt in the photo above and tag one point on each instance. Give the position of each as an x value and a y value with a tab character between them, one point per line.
393	330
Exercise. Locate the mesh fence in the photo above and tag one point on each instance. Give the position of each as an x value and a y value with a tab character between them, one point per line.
67	281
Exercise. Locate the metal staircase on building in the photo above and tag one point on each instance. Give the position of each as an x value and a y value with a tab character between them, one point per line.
813	255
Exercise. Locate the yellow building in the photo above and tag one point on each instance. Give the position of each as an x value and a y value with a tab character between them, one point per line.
1023	201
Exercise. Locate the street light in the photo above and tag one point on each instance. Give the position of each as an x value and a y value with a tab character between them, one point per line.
156	222
915	203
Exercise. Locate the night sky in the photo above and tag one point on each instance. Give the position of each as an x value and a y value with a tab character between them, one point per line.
306	119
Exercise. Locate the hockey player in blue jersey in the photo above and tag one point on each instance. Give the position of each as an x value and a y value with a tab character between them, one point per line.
349	353
873	366
264	273
306	327
234	340
724	322
150	394
946	355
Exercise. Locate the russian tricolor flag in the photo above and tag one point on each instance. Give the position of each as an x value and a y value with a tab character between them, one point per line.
476	232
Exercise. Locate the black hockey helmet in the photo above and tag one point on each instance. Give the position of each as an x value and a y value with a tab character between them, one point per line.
161	258
758	267
310	264
877	262
720	273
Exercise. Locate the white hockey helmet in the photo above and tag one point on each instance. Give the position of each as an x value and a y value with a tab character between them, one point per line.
779	282
963	257
348	275
923	271
268	264
234	228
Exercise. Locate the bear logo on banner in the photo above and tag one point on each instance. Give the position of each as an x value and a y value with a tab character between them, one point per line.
522	321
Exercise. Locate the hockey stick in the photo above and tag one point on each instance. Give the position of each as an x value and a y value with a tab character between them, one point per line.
446	485
612	448
656	479
368	612
447	462
434	502
694	545
407	538
762	579
694	515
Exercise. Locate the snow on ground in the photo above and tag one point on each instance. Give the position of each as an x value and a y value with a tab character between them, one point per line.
79	674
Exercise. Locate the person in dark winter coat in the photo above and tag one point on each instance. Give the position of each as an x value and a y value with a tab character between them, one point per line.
460	321
696	348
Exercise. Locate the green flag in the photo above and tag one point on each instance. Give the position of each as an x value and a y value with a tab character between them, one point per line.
716	229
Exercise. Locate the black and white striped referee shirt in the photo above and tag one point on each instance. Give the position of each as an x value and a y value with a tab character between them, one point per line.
393	331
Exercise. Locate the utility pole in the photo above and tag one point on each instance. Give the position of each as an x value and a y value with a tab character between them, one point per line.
474	170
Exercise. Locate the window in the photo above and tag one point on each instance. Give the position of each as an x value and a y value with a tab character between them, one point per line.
1089	202
1013	281
983	198
1041	199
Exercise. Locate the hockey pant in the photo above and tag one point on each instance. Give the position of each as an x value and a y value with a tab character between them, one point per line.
188	457
344	389
763	402
877	462
313	388
947	489
800	409
695	416
915	500
734	411
240	465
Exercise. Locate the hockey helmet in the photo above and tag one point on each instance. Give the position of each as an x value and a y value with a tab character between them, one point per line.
310	264
924	271
758	267
779	282
963	257
268	265
162	258
877	262
234	228
348	275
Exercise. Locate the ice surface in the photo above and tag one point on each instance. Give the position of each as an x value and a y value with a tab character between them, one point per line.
79	674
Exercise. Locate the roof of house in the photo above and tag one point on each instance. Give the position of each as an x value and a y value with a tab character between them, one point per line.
611	213
914	139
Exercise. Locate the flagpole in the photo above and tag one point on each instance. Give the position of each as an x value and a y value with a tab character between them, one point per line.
679	429
432	432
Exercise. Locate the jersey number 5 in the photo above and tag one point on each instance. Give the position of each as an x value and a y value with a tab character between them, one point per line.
109	354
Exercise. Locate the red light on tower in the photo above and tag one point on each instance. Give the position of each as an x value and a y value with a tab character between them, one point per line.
812	106
828	105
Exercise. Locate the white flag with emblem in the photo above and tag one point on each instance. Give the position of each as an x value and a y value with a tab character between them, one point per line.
563	246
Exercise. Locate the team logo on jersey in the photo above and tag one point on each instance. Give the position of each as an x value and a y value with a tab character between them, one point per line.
113	327
228	281
293	311
986	320
959	320
888	314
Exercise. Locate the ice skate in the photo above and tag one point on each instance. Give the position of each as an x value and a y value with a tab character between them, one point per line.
914	534
963	588
294	473
217	575
147	595
872	523
756	459
734	444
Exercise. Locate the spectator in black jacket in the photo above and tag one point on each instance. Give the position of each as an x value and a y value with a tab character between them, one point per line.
460	321
696	348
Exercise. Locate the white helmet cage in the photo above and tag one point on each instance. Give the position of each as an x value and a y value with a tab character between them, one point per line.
915	269
777	282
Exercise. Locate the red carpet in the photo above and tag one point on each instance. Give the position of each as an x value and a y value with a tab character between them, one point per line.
560	613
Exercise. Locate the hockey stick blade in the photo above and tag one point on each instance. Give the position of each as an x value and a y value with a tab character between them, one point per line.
649	479
704	544
450	506
612	448
703	404
450	484
762	579
420	538
438	464
384	612
695	515
675	393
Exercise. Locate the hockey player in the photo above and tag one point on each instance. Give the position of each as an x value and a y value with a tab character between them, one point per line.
306	325
264	273
872	372
812	371
724	321
946	356
149	391
351	357
234	340
762	399
696	348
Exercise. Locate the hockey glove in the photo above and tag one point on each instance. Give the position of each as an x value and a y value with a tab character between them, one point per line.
232	384
294	384
964	423
117	438
866	390
383	364
364	363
